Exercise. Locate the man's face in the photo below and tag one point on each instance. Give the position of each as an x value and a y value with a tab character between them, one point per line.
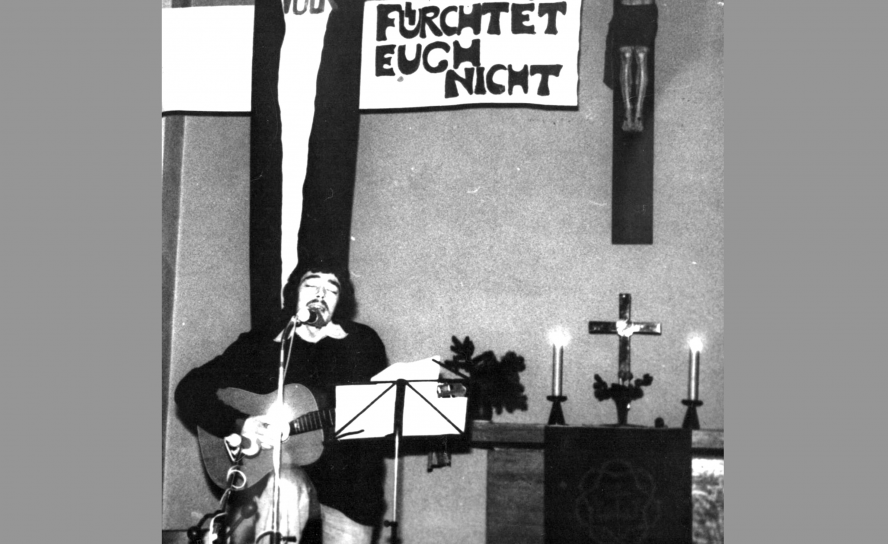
319	291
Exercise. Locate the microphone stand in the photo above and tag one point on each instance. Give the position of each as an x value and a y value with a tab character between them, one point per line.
276	457
400	390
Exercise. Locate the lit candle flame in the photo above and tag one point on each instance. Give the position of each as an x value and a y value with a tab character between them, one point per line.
696	344
559	337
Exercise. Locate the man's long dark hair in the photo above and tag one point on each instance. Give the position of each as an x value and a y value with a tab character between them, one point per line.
347	306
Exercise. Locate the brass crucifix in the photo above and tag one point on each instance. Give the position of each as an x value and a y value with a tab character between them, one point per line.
624	328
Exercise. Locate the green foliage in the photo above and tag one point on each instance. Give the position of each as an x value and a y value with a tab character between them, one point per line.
494	381
709	508
616	390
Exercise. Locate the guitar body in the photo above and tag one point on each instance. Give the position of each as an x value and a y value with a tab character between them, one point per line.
298	450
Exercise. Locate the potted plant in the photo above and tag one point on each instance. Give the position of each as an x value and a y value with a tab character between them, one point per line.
621	394
494	384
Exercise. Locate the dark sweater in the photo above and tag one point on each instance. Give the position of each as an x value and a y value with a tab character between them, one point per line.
350	474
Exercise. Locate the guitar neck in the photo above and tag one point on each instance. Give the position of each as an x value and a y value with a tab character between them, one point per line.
313	421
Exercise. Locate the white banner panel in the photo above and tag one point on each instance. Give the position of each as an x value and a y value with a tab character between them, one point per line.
206	58
306	25
449	52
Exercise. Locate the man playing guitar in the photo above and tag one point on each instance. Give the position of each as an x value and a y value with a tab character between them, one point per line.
344	487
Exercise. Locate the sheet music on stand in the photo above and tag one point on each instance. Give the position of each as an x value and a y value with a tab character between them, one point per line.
367	410
404	400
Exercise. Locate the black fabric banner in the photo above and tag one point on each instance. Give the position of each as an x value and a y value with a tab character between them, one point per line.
329	187
265	165
325	230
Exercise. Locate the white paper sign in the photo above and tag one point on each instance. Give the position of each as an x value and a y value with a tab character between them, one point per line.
450	52
206	58
424	369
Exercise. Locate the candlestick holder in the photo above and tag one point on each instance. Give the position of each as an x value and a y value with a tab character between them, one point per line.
621	394
690	420
556	416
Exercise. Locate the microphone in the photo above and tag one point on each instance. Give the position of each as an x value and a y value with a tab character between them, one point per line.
307	316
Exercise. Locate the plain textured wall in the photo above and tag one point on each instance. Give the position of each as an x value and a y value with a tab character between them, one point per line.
493	223
212	293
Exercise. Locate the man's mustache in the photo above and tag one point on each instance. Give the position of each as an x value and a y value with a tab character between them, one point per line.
316	302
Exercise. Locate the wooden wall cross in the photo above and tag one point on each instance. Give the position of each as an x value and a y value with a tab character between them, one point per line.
629	71
624	328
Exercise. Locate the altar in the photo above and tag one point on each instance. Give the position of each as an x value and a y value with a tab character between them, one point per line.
517	493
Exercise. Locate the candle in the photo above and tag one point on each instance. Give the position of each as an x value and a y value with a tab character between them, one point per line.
696	346
559	339
557	369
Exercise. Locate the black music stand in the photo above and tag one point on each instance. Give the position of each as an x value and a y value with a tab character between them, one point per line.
398	389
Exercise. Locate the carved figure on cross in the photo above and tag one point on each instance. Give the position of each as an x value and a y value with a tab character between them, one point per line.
631	35
624	328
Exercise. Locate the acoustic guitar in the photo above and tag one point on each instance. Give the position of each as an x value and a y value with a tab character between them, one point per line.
303	447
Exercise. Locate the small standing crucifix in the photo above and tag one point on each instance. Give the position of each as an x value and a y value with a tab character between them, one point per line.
624	328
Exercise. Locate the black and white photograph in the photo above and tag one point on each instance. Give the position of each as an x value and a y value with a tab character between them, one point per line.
441	271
